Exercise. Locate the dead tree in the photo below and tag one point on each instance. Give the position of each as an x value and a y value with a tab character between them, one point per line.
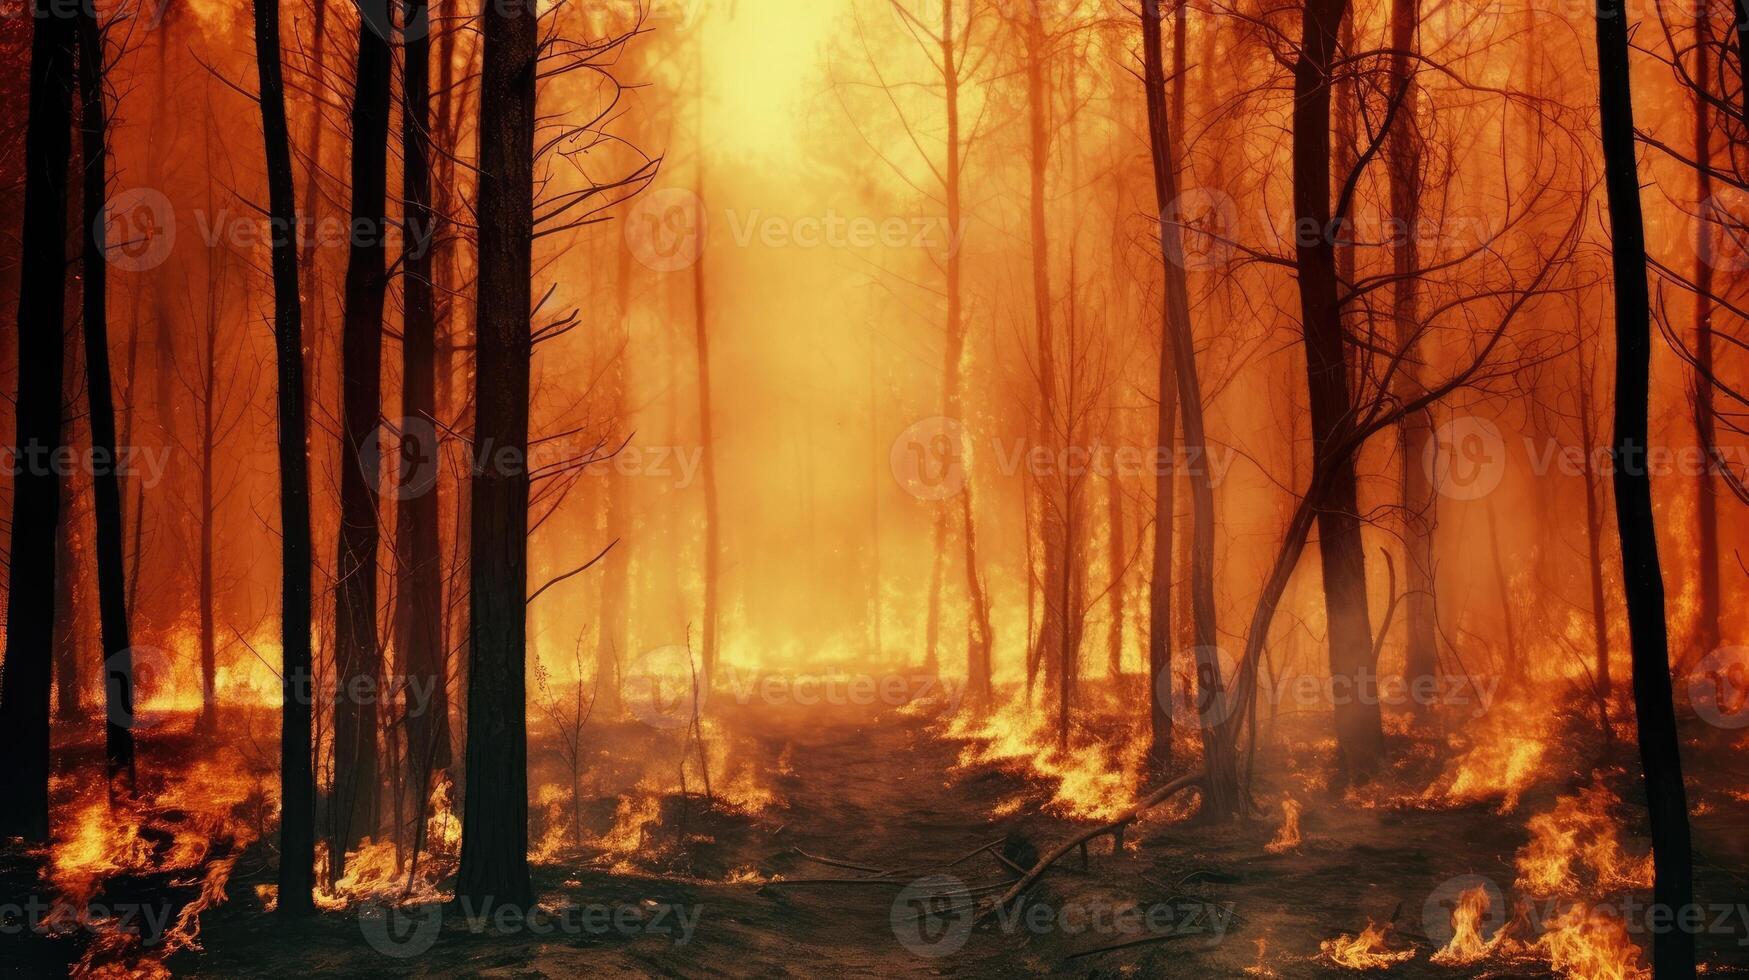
494	852
1642	580
36	503
297	777
1221	796
419	641
357	654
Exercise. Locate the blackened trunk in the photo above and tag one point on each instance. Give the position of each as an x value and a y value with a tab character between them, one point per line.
1353	670
494	858
358	658
419	598
1705	421
297	778
1403	158
112	591
1165	477
1221	795
36	494
1642	581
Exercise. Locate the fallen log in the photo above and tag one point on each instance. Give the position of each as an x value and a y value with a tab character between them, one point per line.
1129	816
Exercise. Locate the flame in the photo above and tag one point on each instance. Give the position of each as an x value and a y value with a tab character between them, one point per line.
1590	945
1093	781
1579	834
191	829
1363	952
1288	837
1467	945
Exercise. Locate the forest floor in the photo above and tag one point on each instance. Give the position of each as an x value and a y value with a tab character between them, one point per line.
882	790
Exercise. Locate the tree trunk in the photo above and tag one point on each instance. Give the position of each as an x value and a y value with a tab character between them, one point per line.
1160	632
1403	160
1706	490
707	469
1601	680
297	778
1221	795
494	857
1116	552
1359	730
610	638
1053	502
36	494
1642	581
105	485
358	658
978	615
419	597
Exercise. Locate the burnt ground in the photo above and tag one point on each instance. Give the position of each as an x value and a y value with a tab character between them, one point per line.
880	791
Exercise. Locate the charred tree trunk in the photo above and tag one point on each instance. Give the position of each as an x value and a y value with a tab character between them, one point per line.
1160	631
1221	795
1642	581
68	694
1403	160
494	857
419	597
1116	556
1600	671
1359	729
707	469
1705	423
357	655
1053	505
36	494
112	590
297	778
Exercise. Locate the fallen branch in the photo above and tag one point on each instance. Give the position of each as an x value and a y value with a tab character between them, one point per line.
1129	816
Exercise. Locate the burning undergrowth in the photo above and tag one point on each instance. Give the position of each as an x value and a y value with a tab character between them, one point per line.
1090	771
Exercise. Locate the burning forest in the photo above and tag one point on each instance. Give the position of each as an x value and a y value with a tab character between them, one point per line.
1096	488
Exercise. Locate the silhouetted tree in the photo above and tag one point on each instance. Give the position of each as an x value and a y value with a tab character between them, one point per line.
297	777
1642	580
36	501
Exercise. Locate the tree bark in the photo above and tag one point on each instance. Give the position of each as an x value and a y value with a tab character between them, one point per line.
1359	729
112	592
1642	580
1705	425
1415	432
358	657
1221	795
419	597
297	778
36	494
1160	629
494	856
